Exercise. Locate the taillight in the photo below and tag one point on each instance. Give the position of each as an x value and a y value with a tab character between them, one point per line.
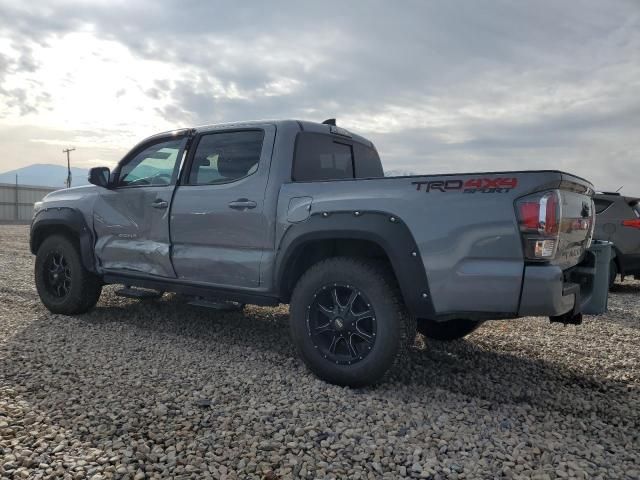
540	213
539	220
529	213
631	223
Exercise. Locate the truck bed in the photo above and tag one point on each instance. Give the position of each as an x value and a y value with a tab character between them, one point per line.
464	226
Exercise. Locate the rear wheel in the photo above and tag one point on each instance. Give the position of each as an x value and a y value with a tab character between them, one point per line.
64	285
348	322
447	331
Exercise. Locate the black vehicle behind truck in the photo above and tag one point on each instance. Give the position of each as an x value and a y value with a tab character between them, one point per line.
618	221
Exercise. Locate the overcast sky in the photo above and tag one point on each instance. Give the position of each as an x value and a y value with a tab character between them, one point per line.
438	86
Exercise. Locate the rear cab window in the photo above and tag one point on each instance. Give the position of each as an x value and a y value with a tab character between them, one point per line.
321	156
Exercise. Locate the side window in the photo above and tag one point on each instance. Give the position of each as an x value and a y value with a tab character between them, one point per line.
320	157
601	205
635	205
156	165
225	157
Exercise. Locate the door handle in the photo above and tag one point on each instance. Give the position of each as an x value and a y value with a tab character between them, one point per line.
242	204
160	204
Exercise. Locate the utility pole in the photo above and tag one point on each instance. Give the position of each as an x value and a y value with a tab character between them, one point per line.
67	151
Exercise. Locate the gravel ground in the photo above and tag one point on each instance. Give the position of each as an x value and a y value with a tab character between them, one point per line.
158	389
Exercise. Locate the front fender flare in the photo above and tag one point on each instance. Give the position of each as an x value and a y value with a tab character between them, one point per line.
63	219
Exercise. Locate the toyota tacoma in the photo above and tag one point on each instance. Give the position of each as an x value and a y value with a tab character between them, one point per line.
300	213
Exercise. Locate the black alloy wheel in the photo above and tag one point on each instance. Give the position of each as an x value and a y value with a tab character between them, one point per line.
341	323
58	275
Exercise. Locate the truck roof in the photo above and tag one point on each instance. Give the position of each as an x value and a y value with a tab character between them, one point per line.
304	125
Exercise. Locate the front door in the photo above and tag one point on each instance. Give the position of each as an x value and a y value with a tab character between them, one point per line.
131	218
219	228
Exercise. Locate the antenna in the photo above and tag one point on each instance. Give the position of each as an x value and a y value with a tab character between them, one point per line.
619	188
330	121
68	151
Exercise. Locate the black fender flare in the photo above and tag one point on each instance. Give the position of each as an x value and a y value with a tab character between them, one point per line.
386	230
64	219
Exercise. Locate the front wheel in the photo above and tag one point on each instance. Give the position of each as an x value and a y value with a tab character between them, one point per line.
64	285
348	322
447	331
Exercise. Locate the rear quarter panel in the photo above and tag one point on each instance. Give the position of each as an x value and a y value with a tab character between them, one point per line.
468	238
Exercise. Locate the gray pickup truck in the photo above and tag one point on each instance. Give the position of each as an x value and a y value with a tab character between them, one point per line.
300	213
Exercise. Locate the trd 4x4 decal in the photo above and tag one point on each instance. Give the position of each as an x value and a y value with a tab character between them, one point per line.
473	185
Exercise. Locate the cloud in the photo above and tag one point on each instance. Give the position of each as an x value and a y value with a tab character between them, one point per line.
438	86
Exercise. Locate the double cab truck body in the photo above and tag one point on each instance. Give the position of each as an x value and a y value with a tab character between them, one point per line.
300	213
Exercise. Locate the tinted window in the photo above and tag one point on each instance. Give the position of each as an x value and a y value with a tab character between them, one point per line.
224	157
320	157
155	165
601	205
367	161
636	207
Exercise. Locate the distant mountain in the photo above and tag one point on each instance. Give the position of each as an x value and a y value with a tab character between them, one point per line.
45	175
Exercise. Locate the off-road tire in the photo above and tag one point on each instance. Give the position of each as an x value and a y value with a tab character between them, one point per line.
85	287
447	331
395	328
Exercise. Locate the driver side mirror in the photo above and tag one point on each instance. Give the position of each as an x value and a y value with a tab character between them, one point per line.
99	176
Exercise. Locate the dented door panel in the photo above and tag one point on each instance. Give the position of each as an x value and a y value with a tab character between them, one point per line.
131	234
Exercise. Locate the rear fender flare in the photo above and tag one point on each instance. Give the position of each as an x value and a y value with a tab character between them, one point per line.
386	230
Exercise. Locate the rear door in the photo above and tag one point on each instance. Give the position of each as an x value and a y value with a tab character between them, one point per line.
219	229
131	218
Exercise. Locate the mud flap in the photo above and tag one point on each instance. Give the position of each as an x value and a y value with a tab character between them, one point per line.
573	316
589	281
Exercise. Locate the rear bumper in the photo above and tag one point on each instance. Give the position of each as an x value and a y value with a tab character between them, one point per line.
546	293
548	290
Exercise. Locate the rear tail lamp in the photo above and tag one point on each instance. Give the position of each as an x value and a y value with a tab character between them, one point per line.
631	223
539	221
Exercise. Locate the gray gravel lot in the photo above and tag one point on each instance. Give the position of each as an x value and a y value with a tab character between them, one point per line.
157	389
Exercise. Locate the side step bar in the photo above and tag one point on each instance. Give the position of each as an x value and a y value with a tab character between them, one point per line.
130	292
195	290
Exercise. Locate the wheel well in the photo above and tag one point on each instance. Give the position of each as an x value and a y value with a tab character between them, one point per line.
47	230
314	251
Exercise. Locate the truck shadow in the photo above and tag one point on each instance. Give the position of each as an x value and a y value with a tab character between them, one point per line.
628	287
464	367
169	331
